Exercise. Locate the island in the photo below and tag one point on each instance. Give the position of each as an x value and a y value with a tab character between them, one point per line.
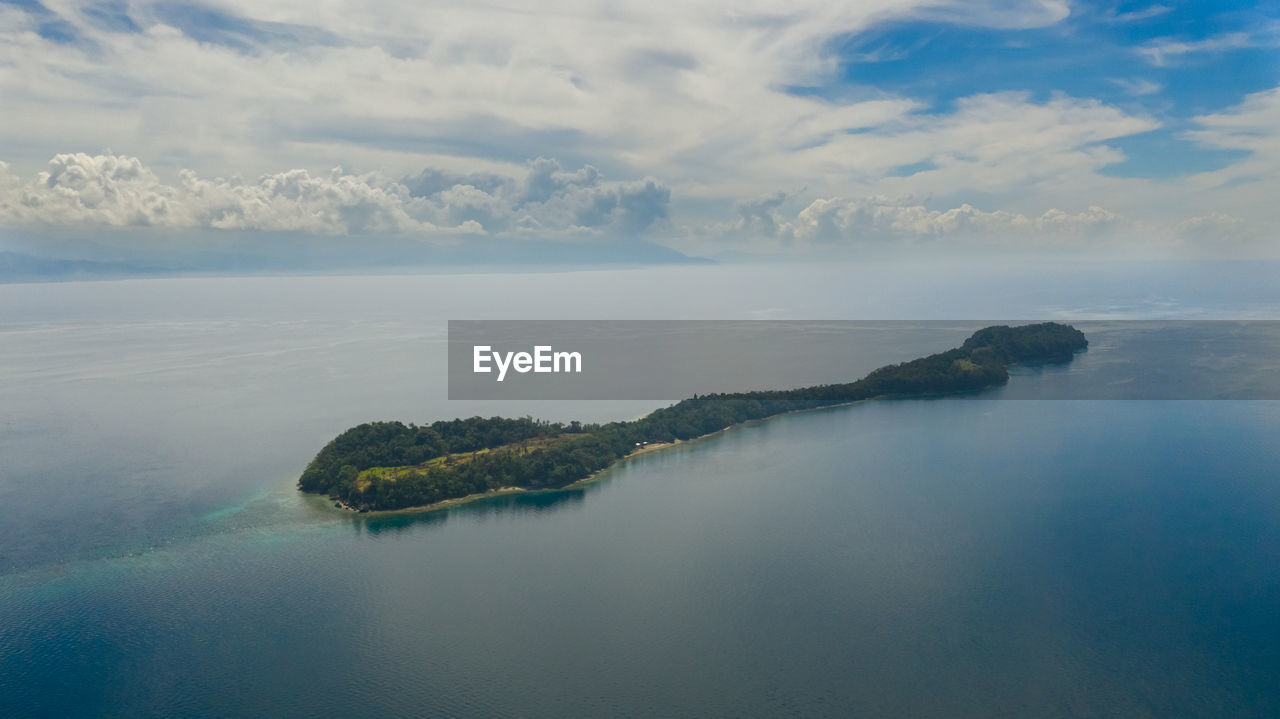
380	466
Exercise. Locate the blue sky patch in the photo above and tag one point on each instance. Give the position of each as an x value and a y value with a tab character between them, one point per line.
913	168
50	25
111	16
208	24
1164	61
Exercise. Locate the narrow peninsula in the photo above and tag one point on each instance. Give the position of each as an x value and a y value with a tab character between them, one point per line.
391	465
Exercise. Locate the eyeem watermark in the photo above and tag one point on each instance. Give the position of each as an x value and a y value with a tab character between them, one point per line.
542	360
669	360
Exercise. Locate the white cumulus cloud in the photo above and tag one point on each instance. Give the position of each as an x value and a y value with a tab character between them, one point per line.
120	191
836	220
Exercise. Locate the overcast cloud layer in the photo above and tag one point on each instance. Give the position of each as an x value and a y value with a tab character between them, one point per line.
701	125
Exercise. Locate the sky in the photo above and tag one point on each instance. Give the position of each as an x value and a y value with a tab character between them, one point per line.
762	126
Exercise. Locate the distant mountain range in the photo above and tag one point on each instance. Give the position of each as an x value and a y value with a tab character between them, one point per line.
295	254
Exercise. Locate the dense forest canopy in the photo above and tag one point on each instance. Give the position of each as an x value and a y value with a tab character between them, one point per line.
391	465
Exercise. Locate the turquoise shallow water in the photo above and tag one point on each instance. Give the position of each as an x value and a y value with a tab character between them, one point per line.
929	558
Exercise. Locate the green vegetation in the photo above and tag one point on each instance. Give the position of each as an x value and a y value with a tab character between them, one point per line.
391	465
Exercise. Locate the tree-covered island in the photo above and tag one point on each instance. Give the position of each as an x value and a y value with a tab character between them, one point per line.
391	465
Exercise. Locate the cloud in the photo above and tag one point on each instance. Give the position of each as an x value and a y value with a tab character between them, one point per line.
836	220
695	93
208	24
760	217
1221	234
662	116
885	226
1216	226
993	143
78	188
1250	126
548	201
998	13
1166	51
641	205
1137	86
1114	16
111	190
885	221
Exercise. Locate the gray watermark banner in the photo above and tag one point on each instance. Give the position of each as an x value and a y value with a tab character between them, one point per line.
677	359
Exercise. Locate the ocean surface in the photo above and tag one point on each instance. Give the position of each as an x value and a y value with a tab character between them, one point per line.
960	557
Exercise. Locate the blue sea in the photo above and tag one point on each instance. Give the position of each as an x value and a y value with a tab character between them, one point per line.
958	557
